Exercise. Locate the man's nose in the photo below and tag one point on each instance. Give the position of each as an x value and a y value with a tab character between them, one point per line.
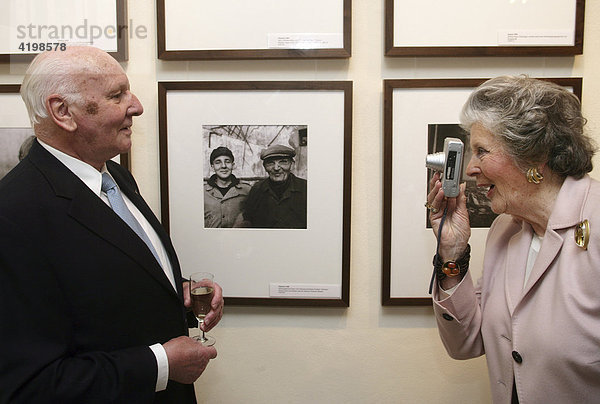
136	107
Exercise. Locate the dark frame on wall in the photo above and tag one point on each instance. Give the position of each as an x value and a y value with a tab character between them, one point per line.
413	220
259	52
260	258
459	50
121	54
15	88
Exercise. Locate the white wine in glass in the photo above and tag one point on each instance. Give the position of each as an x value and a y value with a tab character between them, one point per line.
202	291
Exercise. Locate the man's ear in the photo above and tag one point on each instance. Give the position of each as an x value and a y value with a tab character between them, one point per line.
59	112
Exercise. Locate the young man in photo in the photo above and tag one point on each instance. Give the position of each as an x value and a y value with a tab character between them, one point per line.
224	194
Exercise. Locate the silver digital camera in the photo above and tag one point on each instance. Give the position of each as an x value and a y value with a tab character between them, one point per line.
449	163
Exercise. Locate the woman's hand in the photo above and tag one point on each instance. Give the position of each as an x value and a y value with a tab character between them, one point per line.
456	230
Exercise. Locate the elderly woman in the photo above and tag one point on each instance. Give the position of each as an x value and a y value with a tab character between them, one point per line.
535	313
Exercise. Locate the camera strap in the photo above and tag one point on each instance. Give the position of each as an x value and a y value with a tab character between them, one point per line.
437	248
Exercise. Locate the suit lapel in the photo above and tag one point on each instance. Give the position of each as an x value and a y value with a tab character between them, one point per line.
130	190
550	247
90	211
566	213
516	262
99	218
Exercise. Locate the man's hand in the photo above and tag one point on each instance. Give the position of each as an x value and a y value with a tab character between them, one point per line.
187	359
216	309
216	306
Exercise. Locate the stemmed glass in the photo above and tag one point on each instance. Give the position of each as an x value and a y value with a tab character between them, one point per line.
201	292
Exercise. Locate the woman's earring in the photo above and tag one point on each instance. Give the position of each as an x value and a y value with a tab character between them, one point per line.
534	176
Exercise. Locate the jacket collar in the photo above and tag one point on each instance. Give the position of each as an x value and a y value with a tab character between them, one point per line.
212	181
568	209
91	212
292	185
566	213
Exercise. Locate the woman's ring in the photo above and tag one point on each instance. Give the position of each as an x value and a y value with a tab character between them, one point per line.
431	208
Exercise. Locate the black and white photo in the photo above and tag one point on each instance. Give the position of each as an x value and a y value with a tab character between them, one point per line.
11	150
255	176
480	210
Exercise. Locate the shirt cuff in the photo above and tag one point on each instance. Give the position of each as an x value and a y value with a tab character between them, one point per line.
162	362
444	294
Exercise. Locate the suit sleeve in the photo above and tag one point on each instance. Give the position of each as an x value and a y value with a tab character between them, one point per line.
37	363
459	316
459	320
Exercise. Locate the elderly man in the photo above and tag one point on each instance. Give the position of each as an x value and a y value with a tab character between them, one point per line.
224	194
278	201
91	295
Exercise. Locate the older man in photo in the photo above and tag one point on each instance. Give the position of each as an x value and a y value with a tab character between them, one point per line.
278	201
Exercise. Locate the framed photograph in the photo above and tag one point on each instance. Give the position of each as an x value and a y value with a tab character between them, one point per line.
410	133
16	133
15	130
253	29
492	28
34	26
255	187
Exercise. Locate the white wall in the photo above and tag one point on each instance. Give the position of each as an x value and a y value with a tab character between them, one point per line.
366	353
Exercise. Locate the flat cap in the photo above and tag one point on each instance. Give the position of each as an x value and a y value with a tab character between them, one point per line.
277	150
220	151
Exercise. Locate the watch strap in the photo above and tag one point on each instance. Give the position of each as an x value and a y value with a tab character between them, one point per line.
452	268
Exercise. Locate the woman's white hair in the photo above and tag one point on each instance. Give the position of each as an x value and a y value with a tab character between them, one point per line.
55	72
537	121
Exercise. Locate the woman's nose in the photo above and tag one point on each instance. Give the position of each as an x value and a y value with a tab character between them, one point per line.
472	169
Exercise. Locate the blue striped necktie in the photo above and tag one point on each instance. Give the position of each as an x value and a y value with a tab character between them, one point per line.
118	205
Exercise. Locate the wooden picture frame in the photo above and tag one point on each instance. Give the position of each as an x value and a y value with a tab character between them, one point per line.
457	29
26	32
13	115
302	266
253	29
408	245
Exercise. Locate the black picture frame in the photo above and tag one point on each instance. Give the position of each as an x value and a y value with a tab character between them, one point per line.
462	49
404	216
258	52
121	54
185	158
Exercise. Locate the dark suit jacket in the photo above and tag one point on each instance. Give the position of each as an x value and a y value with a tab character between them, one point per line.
81	296
264	209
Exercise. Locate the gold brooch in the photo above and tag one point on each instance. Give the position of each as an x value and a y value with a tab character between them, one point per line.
582	234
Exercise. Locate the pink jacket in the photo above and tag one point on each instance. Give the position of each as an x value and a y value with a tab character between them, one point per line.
546	334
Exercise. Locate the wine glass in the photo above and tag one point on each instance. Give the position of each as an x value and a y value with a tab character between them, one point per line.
201	293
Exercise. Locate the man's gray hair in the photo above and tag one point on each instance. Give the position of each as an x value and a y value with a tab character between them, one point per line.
54	73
